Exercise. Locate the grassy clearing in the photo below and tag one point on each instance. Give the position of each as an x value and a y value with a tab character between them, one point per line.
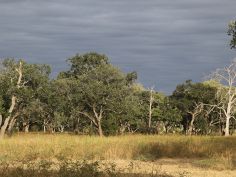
205	152
70	169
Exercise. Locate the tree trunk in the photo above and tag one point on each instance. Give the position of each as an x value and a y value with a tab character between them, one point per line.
61	128
100	132
150	110
44	126
0	120
4	127
76	125
13	102
11	125
190	129
227	125
26	126
6	122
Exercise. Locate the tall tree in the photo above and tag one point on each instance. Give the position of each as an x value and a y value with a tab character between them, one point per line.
227	93
190	99
102	90
11	78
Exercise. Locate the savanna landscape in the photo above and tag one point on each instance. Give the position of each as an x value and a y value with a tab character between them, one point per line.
93	119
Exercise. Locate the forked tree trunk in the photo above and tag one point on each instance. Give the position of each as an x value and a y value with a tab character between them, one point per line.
197	110
98	117
13	103
100	131
4	127
7	120
11	124
95	119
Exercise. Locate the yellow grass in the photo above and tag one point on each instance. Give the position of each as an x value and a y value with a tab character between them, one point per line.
131	147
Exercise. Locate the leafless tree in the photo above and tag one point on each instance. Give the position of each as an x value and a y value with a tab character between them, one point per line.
226	94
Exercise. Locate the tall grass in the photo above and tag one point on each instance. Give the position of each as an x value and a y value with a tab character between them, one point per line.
131	147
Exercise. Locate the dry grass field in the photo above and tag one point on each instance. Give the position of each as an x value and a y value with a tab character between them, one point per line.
132	154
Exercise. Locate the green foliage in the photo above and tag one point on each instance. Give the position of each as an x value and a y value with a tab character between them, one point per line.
232	33
94	91
81	64
189	94
169	114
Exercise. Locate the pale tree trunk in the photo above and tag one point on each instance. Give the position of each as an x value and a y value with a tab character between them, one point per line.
26	125
98	117
44	126
95	119
12	123
26	128
6	121
61	128
150	109
227	125
13	103
190	129
197	110
123	128
100	131
227	93
228	113
0	120
10	127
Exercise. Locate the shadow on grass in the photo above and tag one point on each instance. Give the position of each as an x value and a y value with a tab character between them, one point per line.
215	152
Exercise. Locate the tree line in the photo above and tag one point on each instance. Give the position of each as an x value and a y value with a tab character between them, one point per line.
95	97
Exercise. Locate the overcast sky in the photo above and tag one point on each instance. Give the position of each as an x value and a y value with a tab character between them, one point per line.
165	41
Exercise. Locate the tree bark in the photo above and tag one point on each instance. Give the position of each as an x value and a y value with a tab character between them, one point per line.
100	131
76	125
11	125
44	126
227	125
26	128
26	124
6	122
0	120
95	119
150	110
13	102
190	129
98	120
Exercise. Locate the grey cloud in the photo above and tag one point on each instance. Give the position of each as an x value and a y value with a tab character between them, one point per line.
167	41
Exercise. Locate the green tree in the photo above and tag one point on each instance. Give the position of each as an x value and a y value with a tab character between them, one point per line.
232	33
10	83
191	98
101	92
169	115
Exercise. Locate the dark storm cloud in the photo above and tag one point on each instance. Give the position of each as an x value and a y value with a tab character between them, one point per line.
167	41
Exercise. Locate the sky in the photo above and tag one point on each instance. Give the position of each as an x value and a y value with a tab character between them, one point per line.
165	41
